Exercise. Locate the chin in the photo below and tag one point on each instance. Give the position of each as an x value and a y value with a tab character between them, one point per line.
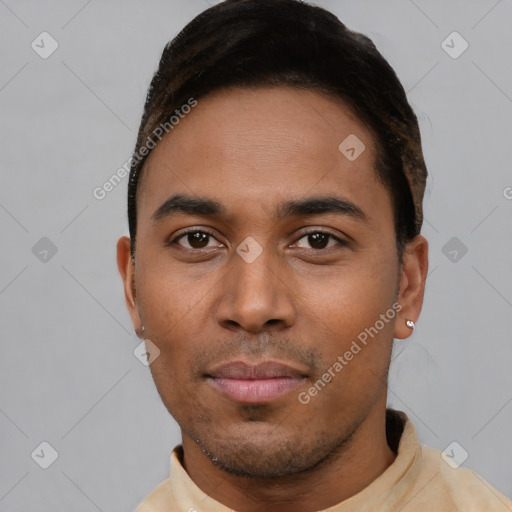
263	453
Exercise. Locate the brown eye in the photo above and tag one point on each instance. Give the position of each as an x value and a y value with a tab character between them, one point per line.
195	240
319	240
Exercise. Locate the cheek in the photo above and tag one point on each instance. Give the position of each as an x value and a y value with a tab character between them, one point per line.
351	298
163	289
348	309
175	310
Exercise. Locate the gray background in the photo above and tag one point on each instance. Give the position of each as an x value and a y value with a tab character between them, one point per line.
68	375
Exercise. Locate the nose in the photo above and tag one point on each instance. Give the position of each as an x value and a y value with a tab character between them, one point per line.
255	297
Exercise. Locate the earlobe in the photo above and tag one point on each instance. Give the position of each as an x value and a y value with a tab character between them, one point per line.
412	286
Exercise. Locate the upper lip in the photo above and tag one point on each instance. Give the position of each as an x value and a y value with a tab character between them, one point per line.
246	371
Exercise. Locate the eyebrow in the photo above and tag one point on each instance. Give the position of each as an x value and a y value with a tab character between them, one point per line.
298	207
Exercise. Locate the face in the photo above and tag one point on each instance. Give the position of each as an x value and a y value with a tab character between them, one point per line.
263	253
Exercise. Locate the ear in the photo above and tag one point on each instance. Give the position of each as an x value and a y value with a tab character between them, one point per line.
126	267
412	284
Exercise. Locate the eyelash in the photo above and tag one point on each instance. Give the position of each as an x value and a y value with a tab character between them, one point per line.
313	231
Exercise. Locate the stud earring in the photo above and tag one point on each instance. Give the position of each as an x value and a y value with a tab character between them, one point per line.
409	324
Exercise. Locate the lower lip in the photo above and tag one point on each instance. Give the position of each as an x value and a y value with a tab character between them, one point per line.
256	391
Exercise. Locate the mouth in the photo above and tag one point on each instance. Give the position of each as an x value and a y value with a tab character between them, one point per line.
255	384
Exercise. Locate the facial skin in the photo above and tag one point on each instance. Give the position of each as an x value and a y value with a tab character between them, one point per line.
301	302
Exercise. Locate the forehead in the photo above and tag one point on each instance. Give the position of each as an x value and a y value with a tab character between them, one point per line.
257	145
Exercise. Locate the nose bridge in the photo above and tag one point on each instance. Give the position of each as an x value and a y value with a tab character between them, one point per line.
254	296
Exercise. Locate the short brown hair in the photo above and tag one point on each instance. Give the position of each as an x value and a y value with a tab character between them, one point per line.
253	43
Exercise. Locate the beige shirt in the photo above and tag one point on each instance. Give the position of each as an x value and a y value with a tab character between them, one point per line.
419	480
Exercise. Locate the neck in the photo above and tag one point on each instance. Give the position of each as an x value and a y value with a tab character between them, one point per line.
350	469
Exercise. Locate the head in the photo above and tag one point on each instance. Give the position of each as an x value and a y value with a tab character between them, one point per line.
275	210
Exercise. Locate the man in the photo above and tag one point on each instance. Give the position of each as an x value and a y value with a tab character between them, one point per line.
275	209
